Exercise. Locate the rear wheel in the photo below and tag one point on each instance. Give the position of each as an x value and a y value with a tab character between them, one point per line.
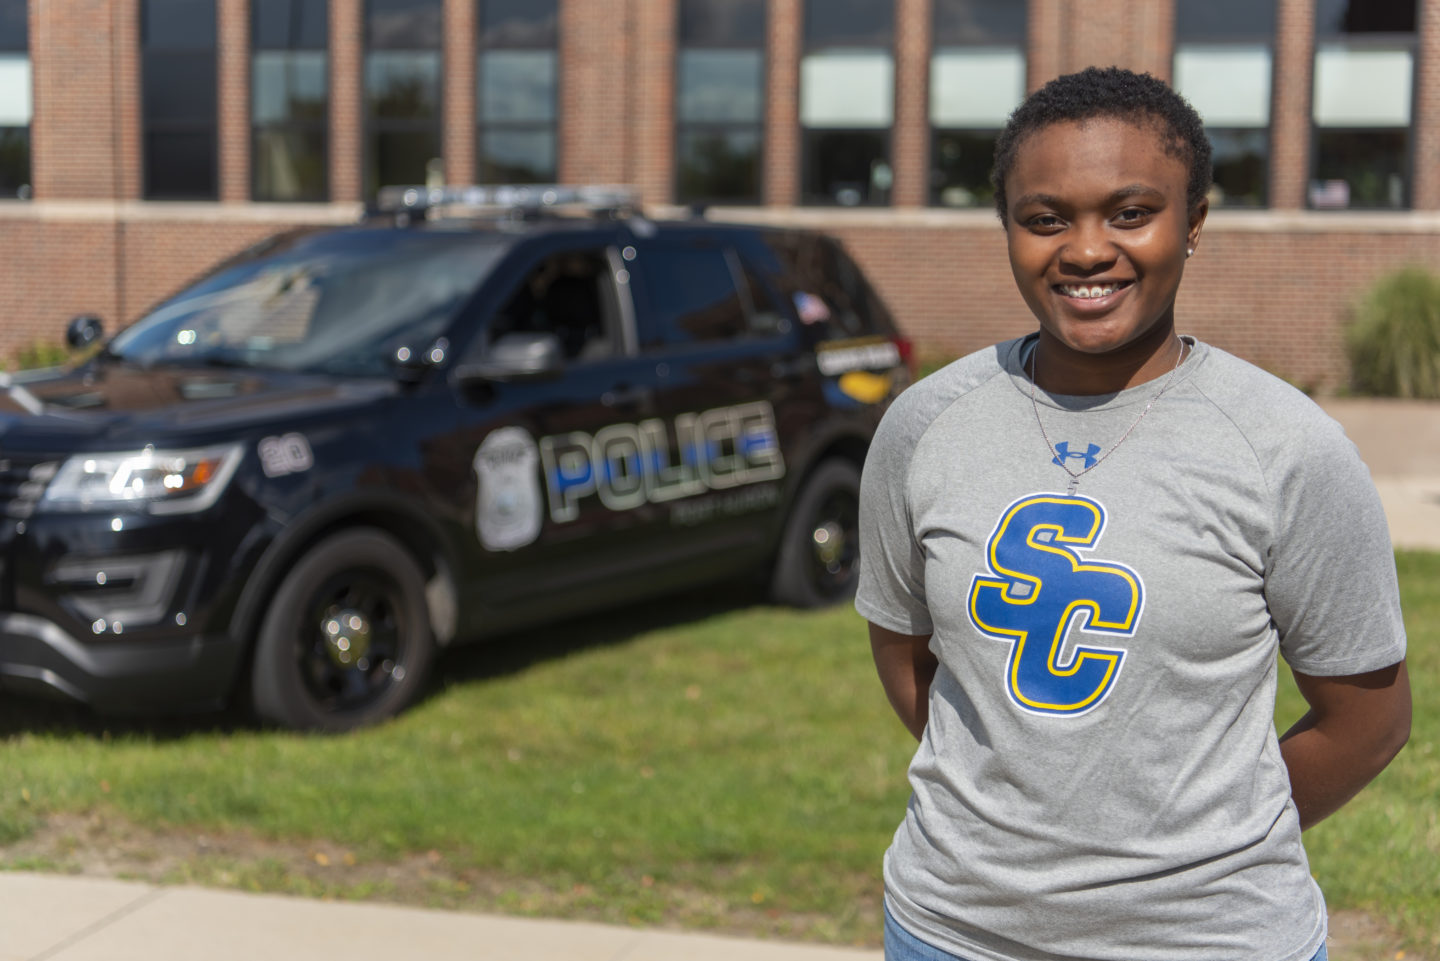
346	642
818	562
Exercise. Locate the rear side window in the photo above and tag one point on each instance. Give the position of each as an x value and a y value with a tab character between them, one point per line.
831	297
700	294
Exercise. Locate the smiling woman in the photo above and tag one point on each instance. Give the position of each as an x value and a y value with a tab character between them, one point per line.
1091	673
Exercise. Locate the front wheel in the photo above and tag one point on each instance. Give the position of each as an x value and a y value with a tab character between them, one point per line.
346	642
819	559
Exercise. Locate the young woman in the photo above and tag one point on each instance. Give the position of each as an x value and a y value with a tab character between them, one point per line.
1082	551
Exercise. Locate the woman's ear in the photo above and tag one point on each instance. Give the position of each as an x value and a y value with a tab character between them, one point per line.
1197	220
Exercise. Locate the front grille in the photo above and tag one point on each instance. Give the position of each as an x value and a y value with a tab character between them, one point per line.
22	480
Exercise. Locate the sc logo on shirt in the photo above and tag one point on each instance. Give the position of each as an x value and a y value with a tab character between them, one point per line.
1039	588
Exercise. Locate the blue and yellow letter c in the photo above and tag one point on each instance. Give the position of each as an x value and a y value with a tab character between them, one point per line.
1038	588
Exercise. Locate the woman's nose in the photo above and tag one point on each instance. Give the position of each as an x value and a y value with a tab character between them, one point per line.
1087	247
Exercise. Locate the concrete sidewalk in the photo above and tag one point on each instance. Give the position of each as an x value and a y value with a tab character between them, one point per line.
48	918
1400	441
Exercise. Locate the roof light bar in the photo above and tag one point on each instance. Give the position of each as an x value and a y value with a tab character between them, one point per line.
419	199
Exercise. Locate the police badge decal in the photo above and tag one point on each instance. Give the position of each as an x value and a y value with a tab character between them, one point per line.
508	503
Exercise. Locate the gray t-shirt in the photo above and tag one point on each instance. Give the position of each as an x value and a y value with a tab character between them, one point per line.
1100	777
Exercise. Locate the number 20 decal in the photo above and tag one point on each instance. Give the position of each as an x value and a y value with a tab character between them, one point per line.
1039	588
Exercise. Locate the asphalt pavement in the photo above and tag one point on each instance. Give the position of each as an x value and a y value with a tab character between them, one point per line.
54	918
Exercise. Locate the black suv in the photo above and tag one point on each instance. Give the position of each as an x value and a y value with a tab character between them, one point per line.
477	409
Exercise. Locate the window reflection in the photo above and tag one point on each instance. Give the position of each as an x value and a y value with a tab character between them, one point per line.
178	99
960	176
720	86
977	76
977	22
403	86
1241	162
1363	83
518	23
847	167
403	24
728	23
718	165
15	100
1360	169
719	101
849	23
517	85
1340	17
1224	63
517	95
517	156
289	99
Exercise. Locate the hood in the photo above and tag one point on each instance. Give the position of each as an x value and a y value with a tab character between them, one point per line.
102	405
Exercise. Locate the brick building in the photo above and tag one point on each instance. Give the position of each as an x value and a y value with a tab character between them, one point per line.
140	140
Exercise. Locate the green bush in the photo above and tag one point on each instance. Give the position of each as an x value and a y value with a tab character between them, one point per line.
1394	336
39	354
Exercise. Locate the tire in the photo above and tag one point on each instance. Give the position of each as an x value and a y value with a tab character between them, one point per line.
818	563
346	641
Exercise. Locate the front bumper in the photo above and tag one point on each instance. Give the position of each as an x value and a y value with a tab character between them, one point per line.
196	672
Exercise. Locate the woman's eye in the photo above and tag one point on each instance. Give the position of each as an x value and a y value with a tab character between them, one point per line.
1045	222
1132	215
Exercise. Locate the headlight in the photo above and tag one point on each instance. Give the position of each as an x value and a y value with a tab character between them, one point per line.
160	481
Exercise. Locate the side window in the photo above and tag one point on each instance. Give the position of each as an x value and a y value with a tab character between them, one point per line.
830	298
570	295
691	295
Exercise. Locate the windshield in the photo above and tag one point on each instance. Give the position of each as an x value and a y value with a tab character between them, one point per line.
339	302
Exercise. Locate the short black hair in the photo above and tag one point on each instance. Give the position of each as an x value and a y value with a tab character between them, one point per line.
1111	92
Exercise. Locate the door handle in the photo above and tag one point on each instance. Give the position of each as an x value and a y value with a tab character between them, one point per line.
624	395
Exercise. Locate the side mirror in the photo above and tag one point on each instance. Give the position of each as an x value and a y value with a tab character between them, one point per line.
518	356
83	331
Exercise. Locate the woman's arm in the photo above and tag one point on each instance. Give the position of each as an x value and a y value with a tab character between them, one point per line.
906	668
1355	725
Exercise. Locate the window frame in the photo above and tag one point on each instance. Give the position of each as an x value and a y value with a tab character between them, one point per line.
373	125
20	49
551	126
681	127
1409	42
321	125
147	126
1242	39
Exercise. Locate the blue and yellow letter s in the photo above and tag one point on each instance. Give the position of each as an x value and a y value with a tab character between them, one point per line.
1038	588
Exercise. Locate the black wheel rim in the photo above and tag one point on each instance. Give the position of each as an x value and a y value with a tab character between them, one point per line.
833	544
353	649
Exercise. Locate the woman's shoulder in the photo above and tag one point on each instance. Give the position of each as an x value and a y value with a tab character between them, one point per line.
919	404
1273	415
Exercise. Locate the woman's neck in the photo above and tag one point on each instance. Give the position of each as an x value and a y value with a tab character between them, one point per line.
1062	370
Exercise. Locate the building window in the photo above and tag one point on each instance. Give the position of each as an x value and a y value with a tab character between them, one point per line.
1224	63
402	92
289	96
847	102
1364	84
516	97
977	76
719	101
178	99
15	101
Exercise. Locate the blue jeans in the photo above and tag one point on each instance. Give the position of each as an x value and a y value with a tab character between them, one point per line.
901	945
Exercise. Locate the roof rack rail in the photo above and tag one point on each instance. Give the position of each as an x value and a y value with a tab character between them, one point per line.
513	199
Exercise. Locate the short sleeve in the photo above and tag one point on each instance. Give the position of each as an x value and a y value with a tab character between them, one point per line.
891	593
1330	582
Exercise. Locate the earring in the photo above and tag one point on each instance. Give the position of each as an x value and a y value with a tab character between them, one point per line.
1190	252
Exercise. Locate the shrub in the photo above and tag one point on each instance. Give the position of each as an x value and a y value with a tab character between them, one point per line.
40	354
1394	336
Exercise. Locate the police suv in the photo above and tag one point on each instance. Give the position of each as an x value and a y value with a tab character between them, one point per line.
477	409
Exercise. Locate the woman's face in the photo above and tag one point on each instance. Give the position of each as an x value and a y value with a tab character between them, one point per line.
1098	232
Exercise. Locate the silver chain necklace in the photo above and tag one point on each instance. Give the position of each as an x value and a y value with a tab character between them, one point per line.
1055	454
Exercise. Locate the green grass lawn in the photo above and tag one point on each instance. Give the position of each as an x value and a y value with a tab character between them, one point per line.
694	764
